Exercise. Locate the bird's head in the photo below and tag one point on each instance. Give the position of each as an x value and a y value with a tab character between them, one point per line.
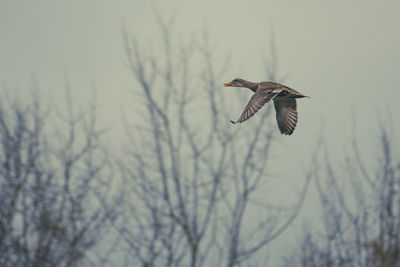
236	83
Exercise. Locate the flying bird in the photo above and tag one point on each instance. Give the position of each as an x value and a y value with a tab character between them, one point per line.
284	101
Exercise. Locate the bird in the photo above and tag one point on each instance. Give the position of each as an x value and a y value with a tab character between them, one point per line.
284	101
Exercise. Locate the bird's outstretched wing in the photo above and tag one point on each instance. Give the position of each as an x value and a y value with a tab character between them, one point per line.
286	114
256	102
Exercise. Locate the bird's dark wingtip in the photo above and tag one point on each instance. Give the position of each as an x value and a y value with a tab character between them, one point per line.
232	122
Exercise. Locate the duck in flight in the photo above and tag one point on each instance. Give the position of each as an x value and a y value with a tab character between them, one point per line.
284	101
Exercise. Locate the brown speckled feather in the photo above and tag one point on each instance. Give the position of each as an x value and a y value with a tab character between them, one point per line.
284	101
286	114
256	102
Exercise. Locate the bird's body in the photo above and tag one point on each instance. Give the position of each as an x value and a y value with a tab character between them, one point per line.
284	101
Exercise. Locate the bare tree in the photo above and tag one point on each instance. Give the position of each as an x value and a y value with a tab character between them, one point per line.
193	183
53	174
360	210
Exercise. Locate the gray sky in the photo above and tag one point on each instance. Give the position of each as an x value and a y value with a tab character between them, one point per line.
344	54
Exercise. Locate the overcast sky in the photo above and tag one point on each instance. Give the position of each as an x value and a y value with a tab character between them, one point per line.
344	54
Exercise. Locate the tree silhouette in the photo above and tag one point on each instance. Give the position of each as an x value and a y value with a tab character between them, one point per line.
193	189
54	177
360	210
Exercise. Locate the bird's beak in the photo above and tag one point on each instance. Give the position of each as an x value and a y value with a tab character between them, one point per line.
227	84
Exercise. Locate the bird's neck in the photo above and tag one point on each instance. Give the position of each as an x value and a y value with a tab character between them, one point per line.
252	86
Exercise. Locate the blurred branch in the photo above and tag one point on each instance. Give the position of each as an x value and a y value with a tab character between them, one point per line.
48	182
361	225
179	168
